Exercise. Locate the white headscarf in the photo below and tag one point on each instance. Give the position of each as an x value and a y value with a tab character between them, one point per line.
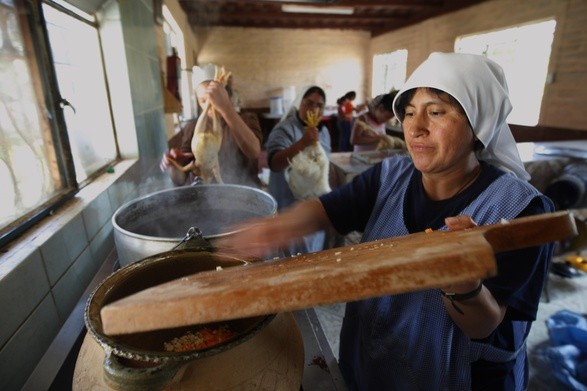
479	85
296	103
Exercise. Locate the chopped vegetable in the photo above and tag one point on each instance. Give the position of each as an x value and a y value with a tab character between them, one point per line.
201	339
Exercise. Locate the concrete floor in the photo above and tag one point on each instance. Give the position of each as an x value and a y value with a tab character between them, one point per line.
564	293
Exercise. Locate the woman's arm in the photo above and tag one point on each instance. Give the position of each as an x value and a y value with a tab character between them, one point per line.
280	159
479	315
245	138
262	236
362	133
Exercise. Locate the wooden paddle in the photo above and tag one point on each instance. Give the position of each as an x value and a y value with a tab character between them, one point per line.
412	262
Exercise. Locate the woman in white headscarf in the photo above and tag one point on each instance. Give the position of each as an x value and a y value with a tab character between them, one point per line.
463	169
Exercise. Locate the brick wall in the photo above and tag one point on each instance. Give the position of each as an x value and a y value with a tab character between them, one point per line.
264	61
563	101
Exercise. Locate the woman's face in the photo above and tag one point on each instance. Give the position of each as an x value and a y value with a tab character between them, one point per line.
201	93
310	103
437	132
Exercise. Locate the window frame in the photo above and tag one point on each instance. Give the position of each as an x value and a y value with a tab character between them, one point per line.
40	59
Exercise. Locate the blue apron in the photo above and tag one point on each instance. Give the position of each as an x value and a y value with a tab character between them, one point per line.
408	341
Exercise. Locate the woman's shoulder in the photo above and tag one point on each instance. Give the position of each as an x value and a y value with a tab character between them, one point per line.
508	180
396	167
505	197
288	125
285	132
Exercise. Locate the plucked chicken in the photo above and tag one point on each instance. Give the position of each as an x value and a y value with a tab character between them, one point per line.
390	142
307	174
207	140
386	141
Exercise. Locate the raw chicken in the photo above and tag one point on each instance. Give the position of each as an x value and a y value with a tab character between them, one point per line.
385	141
207	140
390	142
307	174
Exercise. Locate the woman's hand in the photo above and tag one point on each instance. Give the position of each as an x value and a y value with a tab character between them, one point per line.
218	97
310	137
455	224
481	314
182	158
261	237
459	222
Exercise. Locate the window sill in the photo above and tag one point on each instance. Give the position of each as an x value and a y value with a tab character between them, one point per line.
12	254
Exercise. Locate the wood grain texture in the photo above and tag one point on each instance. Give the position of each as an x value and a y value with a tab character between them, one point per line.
409	263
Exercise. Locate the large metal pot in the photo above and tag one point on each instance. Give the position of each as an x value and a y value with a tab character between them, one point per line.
158	221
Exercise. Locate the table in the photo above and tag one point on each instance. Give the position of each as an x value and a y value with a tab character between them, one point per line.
346	165
543	167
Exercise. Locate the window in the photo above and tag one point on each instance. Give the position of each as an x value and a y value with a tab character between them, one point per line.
29	172
389	71
56	127
75	46
524	53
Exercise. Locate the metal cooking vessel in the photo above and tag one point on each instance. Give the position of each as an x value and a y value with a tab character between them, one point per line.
158	221
139	361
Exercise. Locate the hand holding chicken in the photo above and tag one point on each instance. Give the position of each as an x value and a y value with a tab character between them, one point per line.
207	137
307	174
385	141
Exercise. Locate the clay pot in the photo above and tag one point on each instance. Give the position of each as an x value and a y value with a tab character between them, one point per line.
139	361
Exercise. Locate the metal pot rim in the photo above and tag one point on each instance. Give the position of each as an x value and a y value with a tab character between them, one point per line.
125	206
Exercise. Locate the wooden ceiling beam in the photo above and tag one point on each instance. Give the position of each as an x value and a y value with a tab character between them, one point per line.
390	4
285	17
375	16
397	4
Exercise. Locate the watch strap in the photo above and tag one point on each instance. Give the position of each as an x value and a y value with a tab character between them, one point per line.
454	297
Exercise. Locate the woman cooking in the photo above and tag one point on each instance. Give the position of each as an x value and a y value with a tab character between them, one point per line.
463	169
240	147
369	128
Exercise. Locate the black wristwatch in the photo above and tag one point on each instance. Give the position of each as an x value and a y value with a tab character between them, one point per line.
454	297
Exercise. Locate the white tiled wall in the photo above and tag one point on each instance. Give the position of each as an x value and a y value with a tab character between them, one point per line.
42	279
44	274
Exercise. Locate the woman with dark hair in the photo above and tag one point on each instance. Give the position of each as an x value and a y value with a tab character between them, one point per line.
288	138
463	169
369	129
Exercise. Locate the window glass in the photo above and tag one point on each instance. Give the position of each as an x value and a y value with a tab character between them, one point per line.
524	53
389	71
45	156
77	59
29	172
